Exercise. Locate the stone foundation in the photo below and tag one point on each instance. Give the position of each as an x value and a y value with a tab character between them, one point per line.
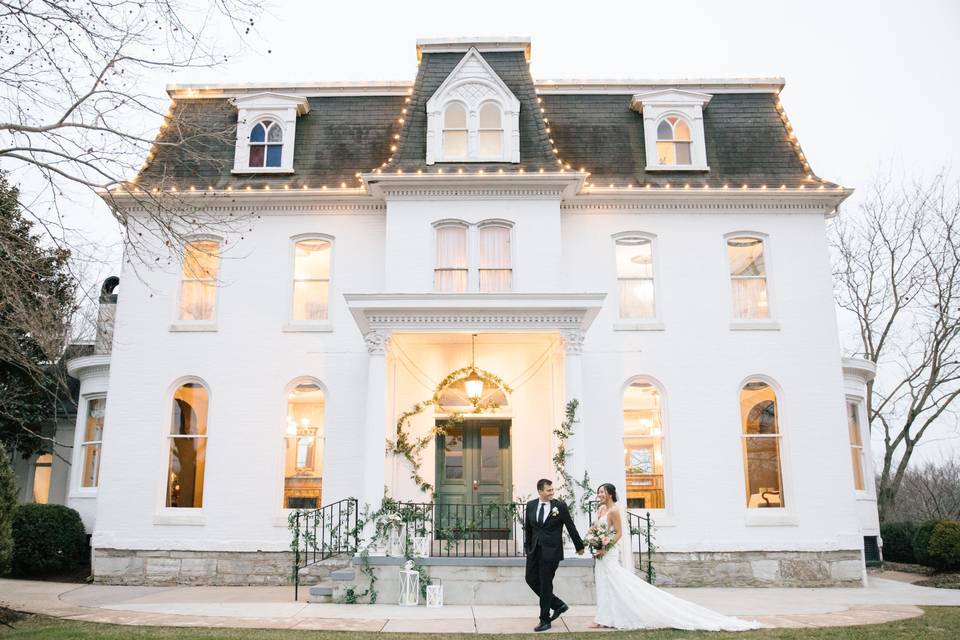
759	569
226	568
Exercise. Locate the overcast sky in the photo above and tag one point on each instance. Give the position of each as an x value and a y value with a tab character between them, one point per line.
869	85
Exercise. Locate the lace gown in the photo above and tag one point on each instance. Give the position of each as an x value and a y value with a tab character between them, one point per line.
626	601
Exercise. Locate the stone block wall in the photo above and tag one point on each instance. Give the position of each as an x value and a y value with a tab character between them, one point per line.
759	569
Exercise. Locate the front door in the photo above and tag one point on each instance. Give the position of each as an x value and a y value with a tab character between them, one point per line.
473	479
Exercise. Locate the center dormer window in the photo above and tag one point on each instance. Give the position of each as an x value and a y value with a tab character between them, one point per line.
266	144
491	130
455	131
673	129
673	141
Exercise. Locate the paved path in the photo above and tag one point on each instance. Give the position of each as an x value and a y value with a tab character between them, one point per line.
273	608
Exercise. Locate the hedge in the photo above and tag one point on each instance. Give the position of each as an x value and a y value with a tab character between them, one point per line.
944	545
47	538
898	541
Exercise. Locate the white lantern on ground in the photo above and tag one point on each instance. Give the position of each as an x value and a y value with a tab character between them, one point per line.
409	586
435	594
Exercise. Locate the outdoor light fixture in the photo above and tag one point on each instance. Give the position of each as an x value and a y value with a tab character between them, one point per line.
473	382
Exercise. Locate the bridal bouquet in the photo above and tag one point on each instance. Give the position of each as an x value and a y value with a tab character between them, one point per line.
599	538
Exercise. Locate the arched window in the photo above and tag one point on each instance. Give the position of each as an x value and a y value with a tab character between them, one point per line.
266	144
455	131
188	446
495	260
635	277
311	279
198	284
92	442
491	130
643	445
748	278
673	141
303	447
761	445
450	274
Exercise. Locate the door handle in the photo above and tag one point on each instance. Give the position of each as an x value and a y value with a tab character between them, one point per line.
476	485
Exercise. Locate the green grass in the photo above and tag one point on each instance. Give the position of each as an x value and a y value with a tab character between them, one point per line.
938	623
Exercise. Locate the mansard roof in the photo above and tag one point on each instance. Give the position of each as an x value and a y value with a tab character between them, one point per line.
353	129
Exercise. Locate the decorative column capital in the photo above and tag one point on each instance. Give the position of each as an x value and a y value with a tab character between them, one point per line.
572	341
378	341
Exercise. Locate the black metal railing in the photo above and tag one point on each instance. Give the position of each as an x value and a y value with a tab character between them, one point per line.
464	530
641	530
322	533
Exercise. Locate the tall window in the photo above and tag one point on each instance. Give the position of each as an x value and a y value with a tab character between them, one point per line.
41	478
635	277
856	443
303	448
761	445
92	442
643	446
188	446
673	141
266	144
450	275
748	278
311	279
198	286
455	131
495	271
491	130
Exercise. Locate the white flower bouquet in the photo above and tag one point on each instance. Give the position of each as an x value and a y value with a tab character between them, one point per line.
599	538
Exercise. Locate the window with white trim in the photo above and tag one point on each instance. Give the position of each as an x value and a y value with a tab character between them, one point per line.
473	257
188	446
748	278
311	279
303	447
673	129
673	141
266	144
266	131
761	445
455	131
92	442
491	130
634	256
856	443
643	446
198	282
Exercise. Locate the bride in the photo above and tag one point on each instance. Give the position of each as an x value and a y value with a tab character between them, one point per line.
626	601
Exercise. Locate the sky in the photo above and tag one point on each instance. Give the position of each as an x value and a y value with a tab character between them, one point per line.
871	87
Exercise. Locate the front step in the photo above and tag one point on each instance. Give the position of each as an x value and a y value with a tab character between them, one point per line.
337	580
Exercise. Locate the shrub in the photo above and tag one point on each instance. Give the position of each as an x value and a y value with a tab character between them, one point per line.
47	538
921	542
944	546
8	504
898	541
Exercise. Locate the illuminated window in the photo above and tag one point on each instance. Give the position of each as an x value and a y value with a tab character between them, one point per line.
748	278
643	446
41	478
635	277
673	141
188	446
92	442
311	279
495	271
761	445
856	443
303	448
198	285
450	274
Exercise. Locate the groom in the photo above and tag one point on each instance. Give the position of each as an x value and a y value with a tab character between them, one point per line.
542	528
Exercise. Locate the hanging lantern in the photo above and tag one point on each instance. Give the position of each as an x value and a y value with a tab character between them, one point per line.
473	383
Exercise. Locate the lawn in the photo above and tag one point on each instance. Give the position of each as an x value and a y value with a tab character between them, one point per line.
939	623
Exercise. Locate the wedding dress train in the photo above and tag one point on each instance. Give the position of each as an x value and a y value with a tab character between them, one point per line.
626	601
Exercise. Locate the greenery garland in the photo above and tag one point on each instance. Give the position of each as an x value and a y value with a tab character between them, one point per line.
569	485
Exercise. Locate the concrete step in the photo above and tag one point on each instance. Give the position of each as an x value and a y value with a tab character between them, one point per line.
321	593
343	575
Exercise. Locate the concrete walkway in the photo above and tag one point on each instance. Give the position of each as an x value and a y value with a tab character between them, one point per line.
273	607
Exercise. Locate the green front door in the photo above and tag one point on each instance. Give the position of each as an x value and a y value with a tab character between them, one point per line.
473	478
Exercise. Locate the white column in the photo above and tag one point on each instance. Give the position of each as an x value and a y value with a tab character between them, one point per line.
572	340
374	432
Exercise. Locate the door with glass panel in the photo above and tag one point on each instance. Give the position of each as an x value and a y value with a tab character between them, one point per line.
473	480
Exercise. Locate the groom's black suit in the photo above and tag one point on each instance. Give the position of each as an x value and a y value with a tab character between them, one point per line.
543	543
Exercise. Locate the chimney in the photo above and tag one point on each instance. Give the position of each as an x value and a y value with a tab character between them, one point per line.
105	315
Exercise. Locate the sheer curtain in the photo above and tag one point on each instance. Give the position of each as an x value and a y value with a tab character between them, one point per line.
495	269
450	276
748	278
635	278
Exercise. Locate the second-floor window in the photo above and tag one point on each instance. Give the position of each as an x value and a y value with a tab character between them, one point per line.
748	278
473	257
450	275
495	267
311	279
198	284
635	277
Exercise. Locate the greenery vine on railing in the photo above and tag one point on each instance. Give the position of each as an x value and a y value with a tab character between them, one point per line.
569	485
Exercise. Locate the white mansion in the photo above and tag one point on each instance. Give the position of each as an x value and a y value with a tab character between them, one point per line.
655	250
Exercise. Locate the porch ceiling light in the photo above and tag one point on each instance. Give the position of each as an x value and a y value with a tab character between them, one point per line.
473	382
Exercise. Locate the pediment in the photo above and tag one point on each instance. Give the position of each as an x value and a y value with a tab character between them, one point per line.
669	97
473	81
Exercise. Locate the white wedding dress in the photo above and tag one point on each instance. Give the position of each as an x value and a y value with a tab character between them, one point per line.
627	601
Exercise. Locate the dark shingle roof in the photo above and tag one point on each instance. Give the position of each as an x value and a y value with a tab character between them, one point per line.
746	140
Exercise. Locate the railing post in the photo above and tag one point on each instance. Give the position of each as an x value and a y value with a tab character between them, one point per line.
296	556
649	554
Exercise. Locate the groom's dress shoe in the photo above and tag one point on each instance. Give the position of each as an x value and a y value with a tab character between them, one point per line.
543	626
562	609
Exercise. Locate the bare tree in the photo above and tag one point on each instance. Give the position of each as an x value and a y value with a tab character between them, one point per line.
929	492
897	270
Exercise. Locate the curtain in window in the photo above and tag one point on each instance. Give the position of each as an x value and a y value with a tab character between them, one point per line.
450	275
311	280
495	268
748	278
635	277
198	286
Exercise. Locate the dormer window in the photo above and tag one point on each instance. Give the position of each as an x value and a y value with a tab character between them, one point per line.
266	128
266	144
473	116
673	141
673	129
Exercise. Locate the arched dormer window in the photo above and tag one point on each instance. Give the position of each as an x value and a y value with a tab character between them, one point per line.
455	131
473	116
673	141
266	144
